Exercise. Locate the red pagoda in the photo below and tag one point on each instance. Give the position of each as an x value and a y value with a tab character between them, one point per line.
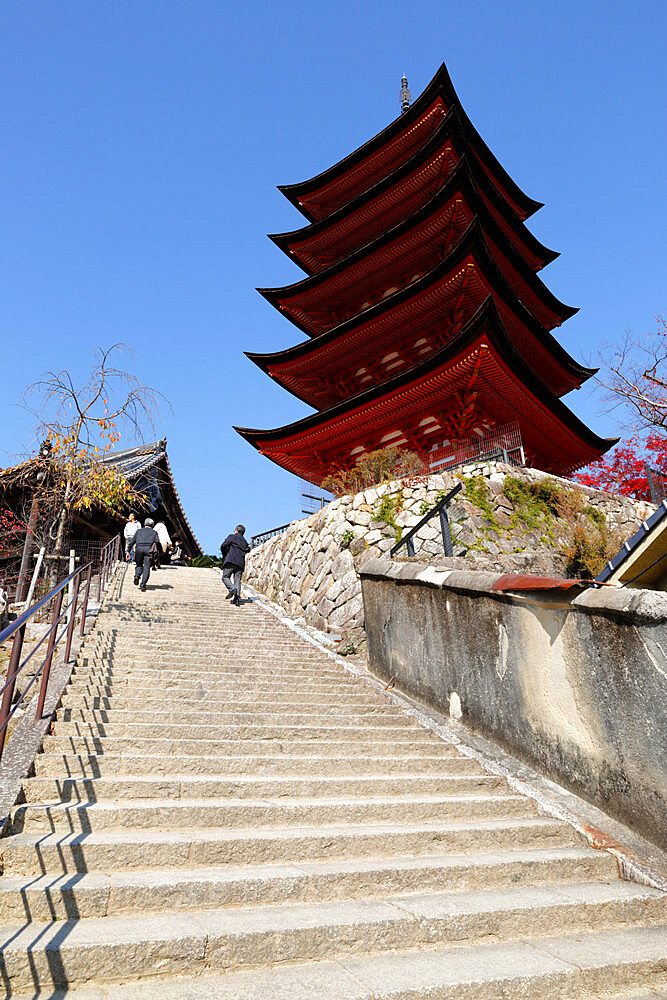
427	322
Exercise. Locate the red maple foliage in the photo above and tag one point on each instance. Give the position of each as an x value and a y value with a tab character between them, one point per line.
633	376
623	470
11	531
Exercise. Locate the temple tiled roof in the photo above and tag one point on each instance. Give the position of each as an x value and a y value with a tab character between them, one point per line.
131	462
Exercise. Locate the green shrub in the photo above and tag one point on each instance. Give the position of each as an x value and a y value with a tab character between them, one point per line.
205	562
346	539
596	516
477	491
380	466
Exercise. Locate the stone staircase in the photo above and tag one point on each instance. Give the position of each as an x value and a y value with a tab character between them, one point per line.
222	811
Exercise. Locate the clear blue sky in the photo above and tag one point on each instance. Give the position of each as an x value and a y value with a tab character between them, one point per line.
142	143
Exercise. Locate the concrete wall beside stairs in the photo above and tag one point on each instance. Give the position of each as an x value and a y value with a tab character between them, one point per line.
574	685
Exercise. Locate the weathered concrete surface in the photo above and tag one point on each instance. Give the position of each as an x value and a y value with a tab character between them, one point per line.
577	687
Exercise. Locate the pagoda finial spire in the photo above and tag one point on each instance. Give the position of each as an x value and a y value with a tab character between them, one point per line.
405	95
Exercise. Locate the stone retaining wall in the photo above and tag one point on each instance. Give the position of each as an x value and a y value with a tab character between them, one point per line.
312	569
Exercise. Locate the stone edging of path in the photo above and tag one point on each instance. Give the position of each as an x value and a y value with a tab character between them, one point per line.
638	860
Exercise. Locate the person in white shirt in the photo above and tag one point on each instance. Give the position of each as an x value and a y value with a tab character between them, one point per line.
130	530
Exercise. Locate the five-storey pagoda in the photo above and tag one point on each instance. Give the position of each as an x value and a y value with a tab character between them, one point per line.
427	322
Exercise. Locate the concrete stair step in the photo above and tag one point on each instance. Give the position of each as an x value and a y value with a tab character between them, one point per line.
274	727
171	942
248	701
221	630
327	743
262	764
219	692
238	713
126	674
264	661
250	693
134	849
311	678
240	813
235	680
267	726
135	698
593	966
195	786
189	663
99	895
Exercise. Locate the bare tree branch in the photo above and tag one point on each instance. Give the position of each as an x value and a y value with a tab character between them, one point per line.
82	423
635	375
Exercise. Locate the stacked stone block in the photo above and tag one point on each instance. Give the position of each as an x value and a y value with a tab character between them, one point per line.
311	570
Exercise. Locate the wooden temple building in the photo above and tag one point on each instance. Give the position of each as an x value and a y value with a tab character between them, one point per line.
426	321
145	467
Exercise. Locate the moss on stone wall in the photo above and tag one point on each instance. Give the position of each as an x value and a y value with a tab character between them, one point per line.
387	510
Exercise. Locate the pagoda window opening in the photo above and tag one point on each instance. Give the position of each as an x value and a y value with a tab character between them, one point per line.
390	436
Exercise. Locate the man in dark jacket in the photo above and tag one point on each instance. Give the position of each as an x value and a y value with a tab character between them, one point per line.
142	543
234	550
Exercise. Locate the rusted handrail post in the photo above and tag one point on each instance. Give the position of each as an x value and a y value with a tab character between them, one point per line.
99	578
72	619
49	654
12	669
84	607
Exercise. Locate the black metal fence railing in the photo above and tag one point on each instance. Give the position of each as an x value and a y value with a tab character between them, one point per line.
441	510
264	537
501	444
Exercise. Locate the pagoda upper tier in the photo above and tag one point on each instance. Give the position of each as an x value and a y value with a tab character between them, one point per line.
397	195
335	187
403	254
417	259
477	380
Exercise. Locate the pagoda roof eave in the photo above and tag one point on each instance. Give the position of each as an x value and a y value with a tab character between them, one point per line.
460	178
265	362
473	239
441	84
471	242
450	128
486	323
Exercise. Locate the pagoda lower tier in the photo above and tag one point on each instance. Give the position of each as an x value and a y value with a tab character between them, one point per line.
477	381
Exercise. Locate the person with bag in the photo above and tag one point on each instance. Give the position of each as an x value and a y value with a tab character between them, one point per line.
234	550
142	543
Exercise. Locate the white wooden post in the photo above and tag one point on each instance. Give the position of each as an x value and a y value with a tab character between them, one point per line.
70	585
35	575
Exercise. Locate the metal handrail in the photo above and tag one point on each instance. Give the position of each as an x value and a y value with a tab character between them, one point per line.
441	509
16	632
265	535
108	557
